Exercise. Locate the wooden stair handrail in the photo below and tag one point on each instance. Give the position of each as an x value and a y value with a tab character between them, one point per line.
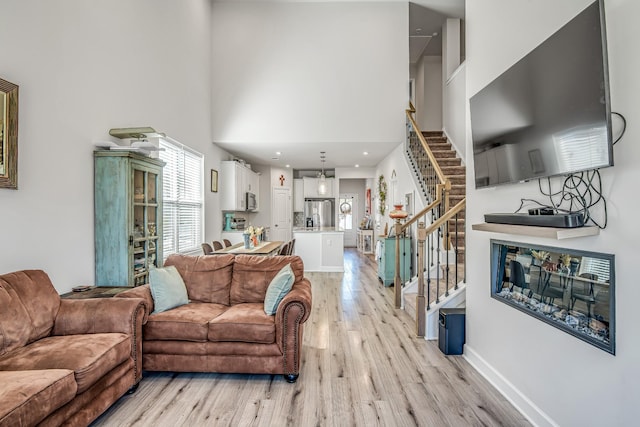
444	218
424	211
436	167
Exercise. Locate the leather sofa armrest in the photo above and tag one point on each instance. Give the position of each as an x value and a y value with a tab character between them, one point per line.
143	292
98	315
292	312
300	293
104	315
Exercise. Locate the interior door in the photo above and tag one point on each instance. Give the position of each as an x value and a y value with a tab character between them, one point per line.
281	214
347	214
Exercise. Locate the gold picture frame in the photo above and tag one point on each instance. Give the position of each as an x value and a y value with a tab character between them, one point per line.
8	135
214	181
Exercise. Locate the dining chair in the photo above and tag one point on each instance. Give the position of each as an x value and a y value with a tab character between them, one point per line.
552	292
207	249
583	290
217	245
284	249
226	242
292	243
516	275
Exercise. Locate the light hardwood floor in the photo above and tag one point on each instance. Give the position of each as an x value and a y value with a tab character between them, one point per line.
362	366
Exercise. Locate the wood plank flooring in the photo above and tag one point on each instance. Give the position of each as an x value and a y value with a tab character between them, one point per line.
362	366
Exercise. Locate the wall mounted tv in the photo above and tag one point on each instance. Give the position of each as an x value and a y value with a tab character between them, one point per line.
549	114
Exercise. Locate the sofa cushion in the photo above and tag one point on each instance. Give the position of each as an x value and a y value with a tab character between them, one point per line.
208	278
89	356
188	322
244	323
253	273
167	288
33	303
15	324
280	286
27	397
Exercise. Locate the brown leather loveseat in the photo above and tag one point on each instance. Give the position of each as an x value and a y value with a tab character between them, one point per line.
63	361
224	327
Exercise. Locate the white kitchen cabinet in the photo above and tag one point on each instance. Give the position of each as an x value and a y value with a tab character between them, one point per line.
308	247
235	180
320	250
298	195
311	188
333	251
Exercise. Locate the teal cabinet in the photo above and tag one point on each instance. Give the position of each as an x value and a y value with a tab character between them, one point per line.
128	217
386	257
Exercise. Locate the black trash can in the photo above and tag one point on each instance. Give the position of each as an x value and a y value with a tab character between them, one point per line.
451	330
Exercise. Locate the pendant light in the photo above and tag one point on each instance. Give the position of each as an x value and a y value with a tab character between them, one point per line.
322	182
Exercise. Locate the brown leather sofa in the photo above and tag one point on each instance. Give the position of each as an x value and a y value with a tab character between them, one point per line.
63	361
224	327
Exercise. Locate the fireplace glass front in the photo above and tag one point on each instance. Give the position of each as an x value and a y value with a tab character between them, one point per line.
570	289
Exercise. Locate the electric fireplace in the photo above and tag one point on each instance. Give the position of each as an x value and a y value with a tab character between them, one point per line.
570	289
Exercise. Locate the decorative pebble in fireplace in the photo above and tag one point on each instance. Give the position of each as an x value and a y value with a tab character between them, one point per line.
570	289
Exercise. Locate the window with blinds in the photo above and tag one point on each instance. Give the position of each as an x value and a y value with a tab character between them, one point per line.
183	197
598	266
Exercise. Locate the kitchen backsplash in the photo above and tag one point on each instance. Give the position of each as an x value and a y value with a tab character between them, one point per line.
298	219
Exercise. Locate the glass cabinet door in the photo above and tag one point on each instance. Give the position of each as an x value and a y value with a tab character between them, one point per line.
144	237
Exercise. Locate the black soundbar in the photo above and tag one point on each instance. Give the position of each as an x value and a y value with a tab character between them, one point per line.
572	220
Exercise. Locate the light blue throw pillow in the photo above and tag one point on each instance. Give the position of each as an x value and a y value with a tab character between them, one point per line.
279	287
167	289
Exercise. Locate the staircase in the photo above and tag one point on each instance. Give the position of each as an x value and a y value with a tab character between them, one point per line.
451	166
441	290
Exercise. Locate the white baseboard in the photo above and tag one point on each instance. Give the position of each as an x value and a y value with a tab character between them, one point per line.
522	403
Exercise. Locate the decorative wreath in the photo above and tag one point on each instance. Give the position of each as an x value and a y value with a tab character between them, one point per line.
382	193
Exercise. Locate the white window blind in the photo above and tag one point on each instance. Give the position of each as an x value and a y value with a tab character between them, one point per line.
183	194
598	266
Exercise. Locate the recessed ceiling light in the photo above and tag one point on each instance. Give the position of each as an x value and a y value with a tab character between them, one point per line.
288	166
435	34
366	153
357	166
418	30
278	153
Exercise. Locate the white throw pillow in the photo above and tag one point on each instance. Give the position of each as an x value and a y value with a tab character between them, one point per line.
167	288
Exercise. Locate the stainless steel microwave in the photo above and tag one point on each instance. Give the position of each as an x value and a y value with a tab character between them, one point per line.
251	204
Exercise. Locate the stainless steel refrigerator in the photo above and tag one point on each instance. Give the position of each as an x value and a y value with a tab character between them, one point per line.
319	213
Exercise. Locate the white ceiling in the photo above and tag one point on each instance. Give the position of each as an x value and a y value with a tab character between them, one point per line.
426	17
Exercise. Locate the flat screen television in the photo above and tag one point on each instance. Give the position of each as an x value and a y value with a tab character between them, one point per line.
549	114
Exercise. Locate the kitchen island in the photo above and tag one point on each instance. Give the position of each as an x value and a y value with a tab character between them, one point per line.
321	249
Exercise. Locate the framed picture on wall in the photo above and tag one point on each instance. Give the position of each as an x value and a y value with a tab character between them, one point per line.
408	203
214	181
8	135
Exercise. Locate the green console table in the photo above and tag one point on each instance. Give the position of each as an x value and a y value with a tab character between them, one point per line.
386	258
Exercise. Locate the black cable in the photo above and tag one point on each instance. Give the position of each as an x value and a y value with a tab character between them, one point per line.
580	191
624	126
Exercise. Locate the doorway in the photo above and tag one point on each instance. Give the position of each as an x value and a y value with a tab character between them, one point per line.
347	214
281	214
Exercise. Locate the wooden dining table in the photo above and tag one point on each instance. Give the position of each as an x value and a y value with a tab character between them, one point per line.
263	248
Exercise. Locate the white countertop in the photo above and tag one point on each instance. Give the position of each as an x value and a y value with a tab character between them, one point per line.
316	230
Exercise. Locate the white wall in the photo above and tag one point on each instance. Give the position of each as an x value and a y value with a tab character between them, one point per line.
429	96
83	68
405	184
310	72
454	106
212	213
553	377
